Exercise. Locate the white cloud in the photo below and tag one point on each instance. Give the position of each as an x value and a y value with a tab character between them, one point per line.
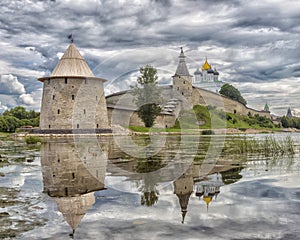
244	46
10	84
3	107
27	99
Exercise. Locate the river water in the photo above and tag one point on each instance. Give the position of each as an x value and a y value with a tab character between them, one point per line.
158	187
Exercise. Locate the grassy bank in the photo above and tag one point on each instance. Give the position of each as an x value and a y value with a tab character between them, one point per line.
4	135
203	117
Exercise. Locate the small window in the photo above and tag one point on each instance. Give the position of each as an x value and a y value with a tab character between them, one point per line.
49	126
73	97
97	125
58	111
66	80
53	97
73	175
84	111
182	93
77	125
183	82
58	160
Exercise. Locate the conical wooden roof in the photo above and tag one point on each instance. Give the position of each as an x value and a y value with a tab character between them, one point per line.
72	64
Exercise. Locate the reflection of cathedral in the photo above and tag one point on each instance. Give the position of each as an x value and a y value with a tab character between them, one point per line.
206	188
71	173
209	188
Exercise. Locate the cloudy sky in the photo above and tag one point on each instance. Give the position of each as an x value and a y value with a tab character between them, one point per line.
253	44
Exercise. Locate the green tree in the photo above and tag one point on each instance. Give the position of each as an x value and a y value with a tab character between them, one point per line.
12	123
232	92
17	117
3	124
18	112
148	95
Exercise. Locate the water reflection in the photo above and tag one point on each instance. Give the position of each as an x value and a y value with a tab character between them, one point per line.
74	170
71	174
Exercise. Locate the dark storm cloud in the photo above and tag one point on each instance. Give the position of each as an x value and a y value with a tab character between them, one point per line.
249	42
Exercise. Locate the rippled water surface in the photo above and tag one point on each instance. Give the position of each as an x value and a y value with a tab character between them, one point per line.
158	187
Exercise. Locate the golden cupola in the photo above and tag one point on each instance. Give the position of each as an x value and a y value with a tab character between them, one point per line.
206	66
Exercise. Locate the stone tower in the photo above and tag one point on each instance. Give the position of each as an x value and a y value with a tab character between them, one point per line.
182	80
73	98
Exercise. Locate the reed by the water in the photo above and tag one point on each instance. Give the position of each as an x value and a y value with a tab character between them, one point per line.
267	146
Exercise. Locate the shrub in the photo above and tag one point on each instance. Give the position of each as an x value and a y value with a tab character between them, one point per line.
33	140
208	132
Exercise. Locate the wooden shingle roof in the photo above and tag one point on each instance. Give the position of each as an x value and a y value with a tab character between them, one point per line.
72	64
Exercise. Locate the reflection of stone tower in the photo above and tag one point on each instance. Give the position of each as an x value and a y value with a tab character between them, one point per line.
72	171
73	98
182	80
183	188
73	168
74	208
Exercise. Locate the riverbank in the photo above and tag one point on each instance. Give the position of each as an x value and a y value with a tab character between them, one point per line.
119	131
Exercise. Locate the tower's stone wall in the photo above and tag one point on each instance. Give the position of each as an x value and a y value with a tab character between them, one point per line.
73	103
183	89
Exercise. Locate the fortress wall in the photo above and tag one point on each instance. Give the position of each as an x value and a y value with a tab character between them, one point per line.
165	121
223	103
123	117
127	118
124	114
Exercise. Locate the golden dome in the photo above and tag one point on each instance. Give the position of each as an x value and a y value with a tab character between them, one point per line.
206	66
207	199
